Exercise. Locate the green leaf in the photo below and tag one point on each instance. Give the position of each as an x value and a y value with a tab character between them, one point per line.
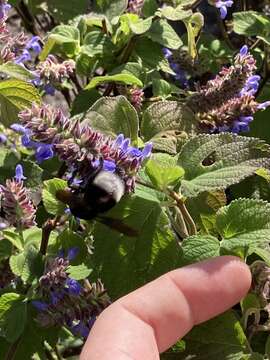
33	173
16	95
114	116
149	8
97	43
84	101
127	79
14	238
63	11
174	14
52	204
162	33
194	25
126	263
250	23
66	38
33	338
110	8
16	71
151	55
221	338
79	272
5	249
161	172
12	316
198	248
214	162
27	265
161	88
167	124
141	26
244	224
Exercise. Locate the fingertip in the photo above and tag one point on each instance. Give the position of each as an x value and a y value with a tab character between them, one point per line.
217	285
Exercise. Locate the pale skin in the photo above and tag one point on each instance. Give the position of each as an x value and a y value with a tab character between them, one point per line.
151	319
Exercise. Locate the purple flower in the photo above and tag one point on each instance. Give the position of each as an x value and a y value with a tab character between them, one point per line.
134	152
3	225
80	329
49	89
25	56
74	288
18	128
109	165
39	305
222	5
4	8
244	51
3	138
72	253
251	86
125	144
44	152
263	105
33	44
180	74
147	150
167	53
19	173
119	140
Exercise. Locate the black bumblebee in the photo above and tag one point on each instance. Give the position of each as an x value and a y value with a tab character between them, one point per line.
101	192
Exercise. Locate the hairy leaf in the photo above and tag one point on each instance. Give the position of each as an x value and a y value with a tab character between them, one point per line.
197	248
244	224
16	71
114	116
167	124
214	162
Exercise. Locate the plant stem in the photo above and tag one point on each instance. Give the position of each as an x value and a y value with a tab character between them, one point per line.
182	207
224	32
47	228
12	350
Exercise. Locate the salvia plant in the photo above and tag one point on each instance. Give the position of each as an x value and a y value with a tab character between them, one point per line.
134	140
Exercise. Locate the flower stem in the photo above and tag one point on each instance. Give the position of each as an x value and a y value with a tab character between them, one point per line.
47	228
12	350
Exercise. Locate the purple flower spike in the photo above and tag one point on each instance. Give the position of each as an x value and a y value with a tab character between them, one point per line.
39	305
72	253
74	288
19	173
